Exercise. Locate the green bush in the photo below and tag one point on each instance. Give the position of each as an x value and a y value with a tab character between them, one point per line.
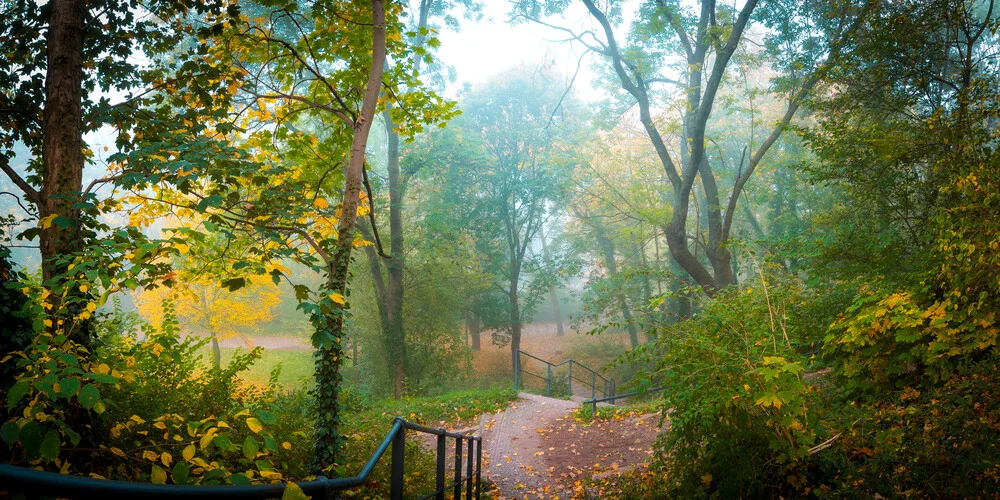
741	421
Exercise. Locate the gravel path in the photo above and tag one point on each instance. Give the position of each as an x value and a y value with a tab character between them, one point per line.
514	454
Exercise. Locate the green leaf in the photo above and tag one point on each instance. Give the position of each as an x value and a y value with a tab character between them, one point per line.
239	479
267	417
9	432
234	284
49	449
250	448
69	386
223	442
89	396
180	472
17	392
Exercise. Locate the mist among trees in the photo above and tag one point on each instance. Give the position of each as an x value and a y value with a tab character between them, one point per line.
235	232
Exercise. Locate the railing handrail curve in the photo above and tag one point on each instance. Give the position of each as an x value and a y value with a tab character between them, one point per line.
22	479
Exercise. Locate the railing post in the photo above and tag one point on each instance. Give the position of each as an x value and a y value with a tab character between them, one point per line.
593	384
593	409
548	380
458	469
479	465
569	379
468	472
398	453
517	371
440	466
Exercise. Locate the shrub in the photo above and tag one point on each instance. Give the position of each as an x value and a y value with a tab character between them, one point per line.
741	420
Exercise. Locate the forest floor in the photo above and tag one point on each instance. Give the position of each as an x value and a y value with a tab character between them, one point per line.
537	449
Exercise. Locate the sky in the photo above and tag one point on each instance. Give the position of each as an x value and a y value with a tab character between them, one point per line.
489	46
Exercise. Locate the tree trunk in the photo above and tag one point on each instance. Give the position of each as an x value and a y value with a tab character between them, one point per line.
608	248
62	150
556	313
515	325
328	442
396	332
216	352
475	330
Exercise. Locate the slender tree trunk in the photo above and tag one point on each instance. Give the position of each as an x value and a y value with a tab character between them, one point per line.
328	442
608	248
475	330
396	332
216	352
515	326
553	297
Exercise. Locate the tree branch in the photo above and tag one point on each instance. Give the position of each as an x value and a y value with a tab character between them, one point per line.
29	192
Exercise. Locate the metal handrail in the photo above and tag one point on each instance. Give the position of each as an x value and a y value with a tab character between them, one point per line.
20	479
608	383
614	397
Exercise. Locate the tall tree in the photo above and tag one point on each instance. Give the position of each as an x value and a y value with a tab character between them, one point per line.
389	292
79	47
699	44
522	124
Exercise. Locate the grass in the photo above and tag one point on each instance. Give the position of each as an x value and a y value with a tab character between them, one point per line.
619	411
297	367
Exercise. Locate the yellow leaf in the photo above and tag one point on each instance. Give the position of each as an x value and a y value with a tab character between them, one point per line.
293	492
160	425
118	452
48	323
207	438
84	288
286	445
706	479
188	452
338	298
254	425
166	459
182	248
137	419
321	203
151	455
46	222
158	476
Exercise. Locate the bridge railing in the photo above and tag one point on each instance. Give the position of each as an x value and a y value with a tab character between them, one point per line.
466	481
553	375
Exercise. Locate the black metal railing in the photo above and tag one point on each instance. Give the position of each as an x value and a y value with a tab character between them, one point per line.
35	484
613	399
554	375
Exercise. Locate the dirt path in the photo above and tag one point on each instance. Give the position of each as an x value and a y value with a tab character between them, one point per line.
535	449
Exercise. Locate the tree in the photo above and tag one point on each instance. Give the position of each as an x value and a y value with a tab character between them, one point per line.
389	292
298	89
203	306
700	46
519	132
79	48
